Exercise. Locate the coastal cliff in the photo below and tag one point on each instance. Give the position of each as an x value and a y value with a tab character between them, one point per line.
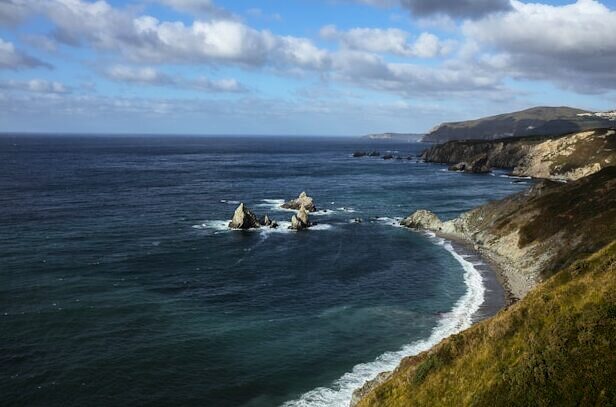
567	157
530	122
556	244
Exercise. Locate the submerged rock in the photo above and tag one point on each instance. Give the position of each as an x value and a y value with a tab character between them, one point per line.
374	154
388	157
244	218
359	154
303	201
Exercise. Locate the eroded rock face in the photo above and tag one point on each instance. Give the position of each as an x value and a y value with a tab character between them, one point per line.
303	201
244	218
422	219
458	167
300	221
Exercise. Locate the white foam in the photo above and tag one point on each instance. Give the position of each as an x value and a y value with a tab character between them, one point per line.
390	221
514	176
216	225
229	202
274	205
347	210
458	319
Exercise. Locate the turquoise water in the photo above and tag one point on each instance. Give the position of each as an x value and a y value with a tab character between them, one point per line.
120	284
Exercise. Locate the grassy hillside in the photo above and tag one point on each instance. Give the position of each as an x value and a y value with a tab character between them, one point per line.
555	347
535	121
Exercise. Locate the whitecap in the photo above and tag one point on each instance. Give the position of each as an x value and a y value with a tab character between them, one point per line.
514	176
347	210
229	202
458	319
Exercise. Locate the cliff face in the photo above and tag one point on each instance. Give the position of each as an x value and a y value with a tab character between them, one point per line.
555	345
530	122
568	157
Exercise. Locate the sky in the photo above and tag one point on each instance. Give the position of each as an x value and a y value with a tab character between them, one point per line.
296	67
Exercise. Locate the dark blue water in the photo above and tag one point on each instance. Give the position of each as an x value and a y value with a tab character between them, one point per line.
120	285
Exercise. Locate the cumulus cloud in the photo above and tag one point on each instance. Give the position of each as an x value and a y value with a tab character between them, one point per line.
573	45
151	76
13	12
390	40
144	38
372	71
11	58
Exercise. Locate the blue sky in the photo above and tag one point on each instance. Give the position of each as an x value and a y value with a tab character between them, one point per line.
328	67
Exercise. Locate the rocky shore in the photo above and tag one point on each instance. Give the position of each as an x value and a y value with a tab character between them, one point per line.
555	246
564	158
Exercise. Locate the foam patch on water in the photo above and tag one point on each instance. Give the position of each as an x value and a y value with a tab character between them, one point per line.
215	225
219	226
514	176
395	222
229	202
347	210
274	205
458	319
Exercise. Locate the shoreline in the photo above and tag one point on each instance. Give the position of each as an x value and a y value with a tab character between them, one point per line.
496	296
499	270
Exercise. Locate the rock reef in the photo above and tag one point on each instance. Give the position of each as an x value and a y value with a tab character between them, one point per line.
303	201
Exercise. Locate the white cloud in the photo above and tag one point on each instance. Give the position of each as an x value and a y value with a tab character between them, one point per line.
392	40
573	45
11	58
151	76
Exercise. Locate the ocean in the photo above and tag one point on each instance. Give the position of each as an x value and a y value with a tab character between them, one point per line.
120	283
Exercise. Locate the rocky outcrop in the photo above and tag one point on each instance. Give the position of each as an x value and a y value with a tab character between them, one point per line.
266	221
568	157
477	165
244	218
303	201
533	233
301	220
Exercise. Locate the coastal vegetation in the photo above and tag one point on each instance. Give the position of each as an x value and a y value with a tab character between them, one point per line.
535	121
555	347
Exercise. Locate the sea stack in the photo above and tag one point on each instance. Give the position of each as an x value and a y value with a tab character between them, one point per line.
303	201
300	221
244	218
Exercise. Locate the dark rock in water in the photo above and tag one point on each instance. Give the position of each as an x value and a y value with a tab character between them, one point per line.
458	167
357	220
388	157
303	201
300	221
266	221
398	158
359	154
479	165
243	218
374	154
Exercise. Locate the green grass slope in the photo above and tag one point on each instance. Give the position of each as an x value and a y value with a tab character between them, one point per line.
556	347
